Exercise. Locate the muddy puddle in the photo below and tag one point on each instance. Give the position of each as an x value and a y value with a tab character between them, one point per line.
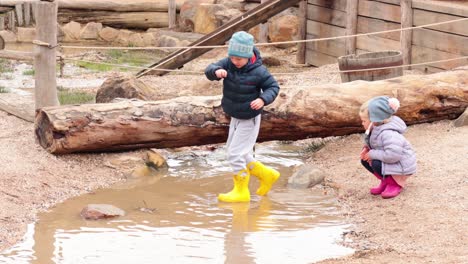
173	217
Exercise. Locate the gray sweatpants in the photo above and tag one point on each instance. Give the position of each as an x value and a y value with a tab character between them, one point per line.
243	134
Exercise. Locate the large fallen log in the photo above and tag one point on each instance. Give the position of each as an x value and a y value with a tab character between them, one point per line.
141	20
326	110
107	5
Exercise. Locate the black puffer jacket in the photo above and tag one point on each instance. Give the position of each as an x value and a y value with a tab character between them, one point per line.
242	86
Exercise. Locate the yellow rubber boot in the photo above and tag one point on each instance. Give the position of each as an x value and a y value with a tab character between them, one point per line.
240	192
267	176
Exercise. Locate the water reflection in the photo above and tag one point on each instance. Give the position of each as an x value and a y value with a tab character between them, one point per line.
187	224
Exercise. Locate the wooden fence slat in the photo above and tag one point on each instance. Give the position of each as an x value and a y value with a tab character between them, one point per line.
19	14
406	35
423	17
351	25
302	32
367	25
326	15
316	58
334	4
27	14
172	11
332	47
379	10
441	41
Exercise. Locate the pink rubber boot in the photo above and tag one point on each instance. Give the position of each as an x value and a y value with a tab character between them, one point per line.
380	188
392	189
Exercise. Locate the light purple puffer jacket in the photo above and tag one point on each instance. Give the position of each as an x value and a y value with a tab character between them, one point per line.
388	145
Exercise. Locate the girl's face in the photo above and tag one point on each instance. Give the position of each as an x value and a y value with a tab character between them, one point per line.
239	62
365	122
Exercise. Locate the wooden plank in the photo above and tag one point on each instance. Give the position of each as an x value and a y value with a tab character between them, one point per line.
441	41
321	30
302	34
351	25
419	55
332	4
367	25
406	35
379	10
172	11
331	47
2	22
316	58
326	15
423	17
456	8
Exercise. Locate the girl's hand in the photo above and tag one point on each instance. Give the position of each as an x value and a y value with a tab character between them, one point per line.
221	73
364	151
257	104
367	158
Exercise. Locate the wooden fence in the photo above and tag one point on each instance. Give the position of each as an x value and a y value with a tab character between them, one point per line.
330	18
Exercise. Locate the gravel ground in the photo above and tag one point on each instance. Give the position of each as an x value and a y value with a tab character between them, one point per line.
426	223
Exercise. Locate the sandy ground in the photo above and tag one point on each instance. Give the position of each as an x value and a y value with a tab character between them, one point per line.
425	224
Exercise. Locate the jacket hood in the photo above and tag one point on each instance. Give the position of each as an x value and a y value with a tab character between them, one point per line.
396	124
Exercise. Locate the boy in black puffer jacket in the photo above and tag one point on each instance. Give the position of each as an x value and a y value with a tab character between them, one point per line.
247	87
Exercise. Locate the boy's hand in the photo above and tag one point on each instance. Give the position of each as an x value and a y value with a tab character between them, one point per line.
221	73
257	104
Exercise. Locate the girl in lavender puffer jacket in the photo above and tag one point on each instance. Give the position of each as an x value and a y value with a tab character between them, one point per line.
387	154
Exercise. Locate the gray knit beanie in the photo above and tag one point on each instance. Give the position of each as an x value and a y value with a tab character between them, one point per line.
382	107
241	45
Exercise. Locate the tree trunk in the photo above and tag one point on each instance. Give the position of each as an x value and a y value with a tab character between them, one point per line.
142	20
297	113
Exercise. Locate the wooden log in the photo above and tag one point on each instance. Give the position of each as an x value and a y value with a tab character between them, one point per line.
140	20
297	113
351	25
45	60
16	55
108	5
172	11
21	106
302	32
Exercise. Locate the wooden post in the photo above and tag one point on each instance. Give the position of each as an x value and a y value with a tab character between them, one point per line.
351	25
19	14
406	37
2	22
45	56
11	21
172	10
27	14
301	47
263	33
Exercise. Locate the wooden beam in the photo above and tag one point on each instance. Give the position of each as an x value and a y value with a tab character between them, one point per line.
45	59
406	38
351	25
172	11
302	32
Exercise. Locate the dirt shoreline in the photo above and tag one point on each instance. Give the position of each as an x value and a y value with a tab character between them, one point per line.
426	223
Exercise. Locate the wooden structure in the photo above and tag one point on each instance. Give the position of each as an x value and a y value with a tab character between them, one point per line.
331	18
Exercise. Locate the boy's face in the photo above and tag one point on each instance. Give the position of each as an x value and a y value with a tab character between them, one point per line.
239	62
365	122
